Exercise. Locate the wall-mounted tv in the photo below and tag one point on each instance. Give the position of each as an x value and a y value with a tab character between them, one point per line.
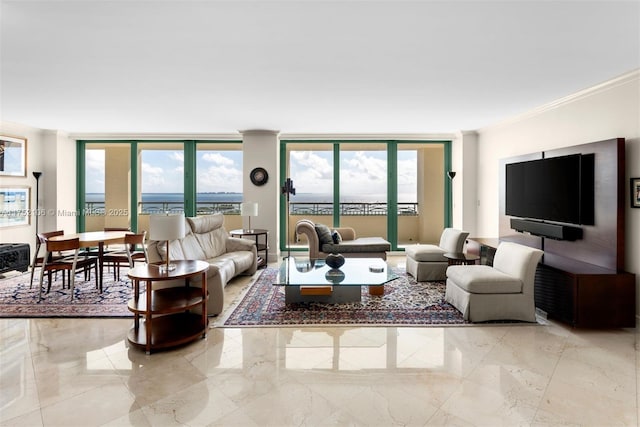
559	189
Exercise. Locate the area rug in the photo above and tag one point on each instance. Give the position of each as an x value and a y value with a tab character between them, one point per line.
405	302
18	300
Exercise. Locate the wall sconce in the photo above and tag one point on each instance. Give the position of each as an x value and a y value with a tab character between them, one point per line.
451	175
249	209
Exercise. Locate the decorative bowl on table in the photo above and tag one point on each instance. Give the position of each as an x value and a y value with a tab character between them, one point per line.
334	260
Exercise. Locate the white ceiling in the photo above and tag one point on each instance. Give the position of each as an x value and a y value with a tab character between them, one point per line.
303	66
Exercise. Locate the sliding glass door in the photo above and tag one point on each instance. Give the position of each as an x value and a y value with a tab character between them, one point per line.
121	183
391	189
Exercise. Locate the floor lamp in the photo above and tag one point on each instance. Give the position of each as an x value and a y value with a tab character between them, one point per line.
37	176
287	189
451	175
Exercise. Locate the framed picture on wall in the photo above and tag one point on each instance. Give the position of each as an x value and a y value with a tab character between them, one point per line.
635	192
13	156
15	206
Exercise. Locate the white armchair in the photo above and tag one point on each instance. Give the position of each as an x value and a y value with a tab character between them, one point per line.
502	292
427	262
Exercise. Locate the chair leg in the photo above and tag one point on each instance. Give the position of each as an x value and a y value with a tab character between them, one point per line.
33	270
72	283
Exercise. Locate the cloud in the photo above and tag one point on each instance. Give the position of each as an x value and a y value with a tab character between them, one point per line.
218	159
362	173
220	179
312	171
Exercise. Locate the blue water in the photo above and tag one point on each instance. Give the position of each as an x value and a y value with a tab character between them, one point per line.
236	198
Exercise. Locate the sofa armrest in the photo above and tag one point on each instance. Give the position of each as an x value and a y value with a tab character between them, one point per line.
235	244
307	228
347	233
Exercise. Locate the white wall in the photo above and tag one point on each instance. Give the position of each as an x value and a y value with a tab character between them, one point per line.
35	160
610	110
260	148
46	151
465	184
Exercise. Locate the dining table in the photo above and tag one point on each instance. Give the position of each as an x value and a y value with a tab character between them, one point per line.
93	239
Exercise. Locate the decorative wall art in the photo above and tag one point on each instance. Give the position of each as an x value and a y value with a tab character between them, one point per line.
13	156
15	206
635	192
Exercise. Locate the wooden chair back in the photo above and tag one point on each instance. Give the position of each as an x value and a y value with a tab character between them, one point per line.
63	245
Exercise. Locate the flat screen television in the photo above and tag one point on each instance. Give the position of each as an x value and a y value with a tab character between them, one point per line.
558	189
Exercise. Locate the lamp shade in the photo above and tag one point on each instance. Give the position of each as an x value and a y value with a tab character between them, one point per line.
249	209
166	227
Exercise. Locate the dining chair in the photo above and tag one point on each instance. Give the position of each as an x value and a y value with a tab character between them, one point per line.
69	265
135	250
37	259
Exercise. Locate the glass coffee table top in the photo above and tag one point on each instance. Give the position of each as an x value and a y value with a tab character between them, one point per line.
315	272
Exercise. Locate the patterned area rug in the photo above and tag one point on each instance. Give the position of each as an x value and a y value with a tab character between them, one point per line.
18	300
405	302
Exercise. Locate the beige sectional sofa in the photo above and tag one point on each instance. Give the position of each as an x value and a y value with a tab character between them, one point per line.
206	239
350	246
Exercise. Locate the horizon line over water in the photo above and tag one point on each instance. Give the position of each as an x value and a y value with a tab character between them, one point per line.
238	197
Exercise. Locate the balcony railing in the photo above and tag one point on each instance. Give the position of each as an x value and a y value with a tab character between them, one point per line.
301	209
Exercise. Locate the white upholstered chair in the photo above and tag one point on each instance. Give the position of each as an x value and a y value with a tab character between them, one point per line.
427	262
502	292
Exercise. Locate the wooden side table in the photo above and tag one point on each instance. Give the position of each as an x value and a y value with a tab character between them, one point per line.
261	237
163	317
461	258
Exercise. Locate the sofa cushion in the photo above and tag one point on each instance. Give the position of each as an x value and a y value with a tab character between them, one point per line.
361	244
324	234
452	240
337	238
191	248
425	253
175	250
206	223
483	279
226	267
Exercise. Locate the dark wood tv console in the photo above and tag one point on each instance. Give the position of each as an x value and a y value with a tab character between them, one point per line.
580	294
582	281
585	295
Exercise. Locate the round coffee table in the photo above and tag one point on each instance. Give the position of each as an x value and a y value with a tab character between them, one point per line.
461	258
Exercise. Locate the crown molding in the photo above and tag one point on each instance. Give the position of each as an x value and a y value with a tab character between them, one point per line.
155	136
368	136
585	93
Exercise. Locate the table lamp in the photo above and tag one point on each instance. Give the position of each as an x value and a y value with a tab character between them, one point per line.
249	209
166	227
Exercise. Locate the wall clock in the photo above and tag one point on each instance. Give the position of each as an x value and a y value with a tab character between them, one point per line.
259	176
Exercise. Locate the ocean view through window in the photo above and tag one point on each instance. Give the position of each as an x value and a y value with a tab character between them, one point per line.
229	204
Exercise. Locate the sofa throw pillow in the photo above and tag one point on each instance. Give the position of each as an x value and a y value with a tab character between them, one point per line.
324	234
337	238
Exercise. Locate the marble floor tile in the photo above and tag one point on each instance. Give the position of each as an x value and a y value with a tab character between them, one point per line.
68	372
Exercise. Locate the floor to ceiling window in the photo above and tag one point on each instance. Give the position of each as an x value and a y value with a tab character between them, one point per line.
363	188
121	183
106	191
218	178
392	189
311	168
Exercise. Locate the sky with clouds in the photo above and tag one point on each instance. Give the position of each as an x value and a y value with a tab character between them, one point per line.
363	174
